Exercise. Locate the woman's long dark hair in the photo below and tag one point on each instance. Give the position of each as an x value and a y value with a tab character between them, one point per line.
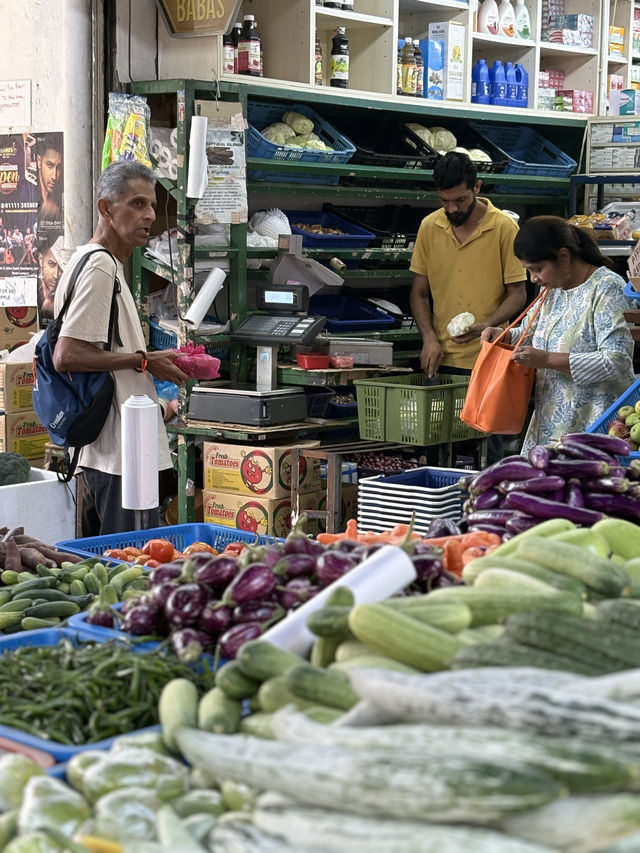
541	237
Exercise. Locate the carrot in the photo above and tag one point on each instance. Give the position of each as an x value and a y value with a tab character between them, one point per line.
471	553
452	557
441	541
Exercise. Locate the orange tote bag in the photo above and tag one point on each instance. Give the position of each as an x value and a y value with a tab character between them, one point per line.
499	389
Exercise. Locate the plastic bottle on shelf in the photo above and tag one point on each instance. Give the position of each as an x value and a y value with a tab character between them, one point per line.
512	84
347	5
480	91
488	18
507	19
408	68
399	68
237	32
522	82
497	85
317	76
249	48
523	20
419	68
340	60
228	53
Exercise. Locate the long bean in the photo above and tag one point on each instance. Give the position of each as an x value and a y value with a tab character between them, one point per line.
77	694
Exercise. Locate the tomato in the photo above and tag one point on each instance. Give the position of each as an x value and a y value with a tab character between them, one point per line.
176	555
152	564
116	553
130	553
146	560
198	546
160	549
234	548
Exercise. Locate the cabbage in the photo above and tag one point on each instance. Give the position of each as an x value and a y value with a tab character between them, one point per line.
443	139
283	128
301	124
422	132
479	155
274	136
461	150
460	324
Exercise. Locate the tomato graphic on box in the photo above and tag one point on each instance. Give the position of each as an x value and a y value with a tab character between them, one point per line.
18	315
256	472
282	519
251	517
284	469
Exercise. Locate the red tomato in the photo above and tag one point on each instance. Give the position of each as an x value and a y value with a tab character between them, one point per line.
195	547
146	560
130	553
160	549
116	553
234	548
151	563
176	555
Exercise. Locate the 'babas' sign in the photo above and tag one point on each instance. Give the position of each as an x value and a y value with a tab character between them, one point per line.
199	17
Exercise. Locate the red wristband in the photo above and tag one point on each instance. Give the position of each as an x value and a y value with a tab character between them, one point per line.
144	361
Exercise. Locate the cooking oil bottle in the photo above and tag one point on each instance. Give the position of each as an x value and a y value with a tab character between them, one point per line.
408	68
340	60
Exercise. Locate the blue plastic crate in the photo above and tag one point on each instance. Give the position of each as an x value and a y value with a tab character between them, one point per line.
629	398
180	535
160	338
261	114
630	293
355	236
348	315
49	637
438	480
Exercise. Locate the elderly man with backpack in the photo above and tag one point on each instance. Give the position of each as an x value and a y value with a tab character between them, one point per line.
99	333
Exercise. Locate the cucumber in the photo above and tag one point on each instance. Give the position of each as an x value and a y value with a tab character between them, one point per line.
32	623
623	537
603	576
53	608
620	611
45	594
10	619
5	595
260	660
481	634
121	579
525	567
218	713
258	725
274	694
9	577
34	583
100	572
320	686
375	661
77	587
587	538
17	606
91	583
110	594
549	528
329	620
505	579
322	714
450	616
323	650
234	682
177	708
352	648
516	654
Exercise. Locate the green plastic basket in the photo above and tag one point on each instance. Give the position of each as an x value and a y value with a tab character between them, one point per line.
406	410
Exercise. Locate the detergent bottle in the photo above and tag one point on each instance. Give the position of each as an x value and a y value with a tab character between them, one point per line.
480	93
522	82
497	85
488	18
512	85
523	21
507	19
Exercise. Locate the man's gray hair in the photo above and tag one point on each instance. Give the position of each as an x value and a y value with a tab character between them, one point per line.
113	181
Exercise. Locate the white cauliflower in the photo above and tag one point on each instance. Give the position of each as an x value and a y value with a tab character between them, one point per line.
301	124
460	324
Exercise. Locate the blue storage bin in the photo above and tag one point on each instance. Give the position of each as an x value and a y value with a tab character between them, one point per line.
437	479
629	398
160	338
180	535
631	293
356	237
261	114
345	314
50	637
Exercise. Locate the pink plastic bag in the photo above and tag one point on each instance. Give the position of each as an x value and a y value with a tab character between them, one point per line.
196	363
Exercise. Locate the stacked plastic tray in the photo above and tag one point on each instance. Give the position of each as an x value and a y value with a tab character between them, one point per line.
422	493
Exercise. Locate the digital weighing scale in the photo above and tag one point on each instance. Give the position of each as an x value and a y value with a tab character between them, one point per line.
285	321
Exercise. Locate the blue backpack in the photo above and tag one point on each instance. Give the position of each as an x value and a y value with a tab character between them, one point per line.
72	406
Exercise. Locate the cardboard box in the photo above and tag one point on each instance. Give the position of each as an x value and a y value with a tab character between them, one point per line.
16	326
23	433
267	517
348	505
434	72
452	36
16	386
261	471
616	35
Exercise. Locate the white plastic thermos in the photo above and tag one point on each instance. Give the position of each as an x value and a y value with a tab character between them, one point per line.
139	452
205	296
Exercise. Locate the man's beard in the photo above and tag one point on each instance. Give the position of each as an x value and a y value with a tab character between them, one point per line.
460	216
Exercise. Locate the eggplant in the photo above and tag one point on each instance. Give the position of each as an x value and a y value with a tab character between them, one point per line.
498	529
257	611
515	469
550	483
297	542
100	612
236	636
189	643
580	468
293	565
540	456
519	522
214	619
541	507
184	605
218	571
445	578
295	592
161	591
465	481
490	516
620	506
579	450
141	619
442	527
602	441
267	554
333	564
490	499
255	581
428	567
573	493
167	571
633	469
347	545
426	548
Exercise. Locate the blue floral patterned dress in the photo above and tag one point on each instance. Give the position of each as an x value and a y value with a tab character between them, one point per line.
588	323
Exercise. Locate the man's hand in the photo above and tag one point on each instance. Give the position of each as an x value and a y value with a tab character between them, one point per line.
431	357
471	334
160	364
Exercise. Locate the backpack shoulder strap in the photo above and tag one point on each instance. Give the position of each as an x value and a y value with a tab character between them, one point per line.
69	463
113	315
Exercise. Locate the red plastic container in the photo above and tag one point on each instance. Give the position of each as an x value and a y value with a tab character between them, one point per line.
312	361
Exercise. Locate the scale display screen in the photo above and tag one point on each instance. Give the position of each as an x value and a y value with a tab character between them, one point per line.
279	297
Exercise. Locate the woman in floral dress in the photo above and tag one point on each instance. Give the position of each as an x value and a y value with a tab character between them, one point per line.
580	343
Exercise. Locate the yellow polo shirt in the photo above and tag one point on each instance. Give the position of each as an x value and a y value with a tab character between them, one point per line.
469	276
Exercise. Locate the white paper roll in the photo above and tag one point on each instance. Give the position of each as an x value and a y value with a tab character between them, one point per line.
207	293
174	138
139	452
155	148
197	175
172	170
381	575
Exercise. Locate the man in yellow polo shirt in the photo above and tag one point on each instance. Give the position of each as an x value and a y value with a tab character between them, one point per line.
463	260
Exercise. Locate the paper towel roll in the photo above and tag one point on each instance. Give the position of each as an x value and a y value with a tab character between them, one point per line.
139	452
197	175
174	138
172	170
207	293
155	148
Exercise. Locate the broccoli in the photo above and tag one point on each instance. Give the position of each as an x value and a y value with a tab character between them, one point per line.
14	468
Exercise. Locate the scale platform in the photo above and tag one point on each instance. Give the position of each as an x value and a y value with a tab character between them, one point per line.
244	404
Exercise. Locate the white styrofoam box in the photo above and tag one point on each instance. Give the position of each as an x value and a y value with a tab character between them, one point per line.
630	207
44	506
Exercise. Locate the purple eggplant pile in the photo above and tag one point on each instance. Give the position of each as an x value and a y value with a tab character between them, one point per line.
580	478
214	604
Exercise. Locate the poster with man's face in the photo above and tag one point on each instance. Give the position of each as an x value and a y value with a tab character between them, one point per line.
31	218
